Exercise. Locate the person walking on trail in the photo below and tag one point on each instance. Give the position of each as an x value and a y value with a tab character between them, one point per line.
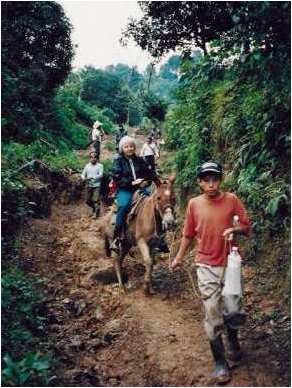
209	219
120	134
155	133
97	135
149	152
130	173
92	174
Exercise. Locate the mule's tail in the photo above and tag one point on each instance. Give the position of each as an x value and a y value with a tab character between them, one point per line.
107	246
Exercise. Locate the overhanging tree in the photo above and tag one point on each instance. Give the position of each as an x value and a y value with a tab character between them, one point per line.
173	25
229	25
36	59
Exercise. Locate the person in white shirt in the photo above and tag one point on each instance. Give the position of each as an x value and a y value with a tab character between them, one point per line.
92	174
97	134
149	152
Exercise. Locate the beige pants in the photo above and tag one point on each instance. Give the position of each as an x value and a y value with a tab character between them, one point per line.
219	309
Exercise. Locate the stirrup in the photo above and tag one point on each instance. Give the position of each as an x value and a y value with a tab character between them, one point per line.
116	245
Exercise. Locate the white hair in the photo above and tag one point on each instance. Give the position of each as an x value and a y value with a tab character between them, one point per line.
124	140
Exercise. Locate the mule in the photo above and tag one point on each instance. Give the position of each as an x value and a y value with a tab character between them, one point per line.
156	211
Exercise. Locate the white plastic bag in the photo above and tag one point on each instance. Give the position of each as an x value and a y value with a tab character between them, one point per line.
232	285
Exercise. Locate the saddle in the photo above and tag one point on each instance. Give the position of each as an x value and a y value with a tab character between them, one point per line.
157	243
138	202
136	205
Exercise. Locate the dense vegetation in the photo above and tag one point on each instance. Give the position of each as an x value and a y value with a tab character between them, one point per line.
233	105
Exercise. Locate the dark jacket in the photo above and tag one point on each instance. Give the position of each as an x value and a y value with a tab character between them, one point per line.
123	176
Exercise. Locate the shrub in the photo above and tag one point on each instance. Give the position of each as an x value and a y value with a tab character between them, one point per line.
23	326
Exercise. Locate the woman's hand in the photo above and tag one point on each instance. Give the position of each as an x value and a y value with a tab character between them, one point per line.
137	181
143	184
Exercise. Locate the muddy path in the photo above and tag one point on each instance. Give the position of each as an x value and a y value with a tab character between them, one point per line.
104	338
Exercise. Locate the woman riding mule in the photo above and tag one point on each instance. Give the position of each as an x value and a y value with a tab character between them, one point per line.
157	208
130	173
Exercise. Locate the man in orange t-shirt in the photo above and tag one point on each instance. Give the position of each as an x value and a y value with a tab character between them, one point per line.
209	219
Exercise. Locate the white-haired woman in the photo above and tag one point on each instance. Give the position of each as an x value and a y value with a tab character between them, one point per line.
130	173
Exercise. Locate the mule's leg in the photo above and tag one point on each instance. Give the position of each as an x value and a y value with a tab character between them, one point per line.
118	268
148	261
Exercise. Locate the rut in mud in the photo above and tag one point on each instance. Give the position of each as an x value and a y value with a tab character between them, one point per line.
104	338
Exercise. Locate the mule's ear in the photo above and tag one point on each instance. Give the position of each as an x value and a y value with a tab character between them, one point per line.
172	177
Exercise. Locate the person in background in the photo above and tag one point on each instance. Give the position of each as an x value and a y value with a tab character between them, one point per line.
155	133
209	219
97	135
120	134
152	133
158	133
92	175
149	152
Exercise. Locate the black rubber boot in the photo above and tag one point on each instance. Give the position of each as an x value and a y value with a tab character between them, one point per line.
234	350
221	372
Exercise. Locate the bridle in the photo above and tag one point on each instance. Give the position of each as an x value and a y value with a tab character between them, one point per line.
160	211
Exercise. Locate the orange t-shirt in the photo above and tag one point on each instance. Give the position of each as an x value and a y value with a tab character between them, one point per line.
207	218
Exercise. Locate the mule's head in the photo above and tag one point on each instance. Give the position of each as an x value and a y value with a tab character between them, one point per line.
165	202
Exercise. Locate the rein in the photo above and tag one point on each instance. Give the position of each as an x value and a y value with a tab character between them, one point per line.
189	274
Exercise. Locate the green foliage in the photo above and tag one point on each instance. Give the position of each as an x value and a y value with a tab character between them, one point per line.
110	146
155	108
154	32
73	118
128	75
30	370
23	326
19	299
123	94
230	27
36	57
105	90
14	155
237	124
183	135
107	166
146	124
64	160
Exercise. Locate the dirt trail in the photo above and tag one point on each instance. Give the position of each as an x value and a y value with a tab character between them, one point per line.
104	338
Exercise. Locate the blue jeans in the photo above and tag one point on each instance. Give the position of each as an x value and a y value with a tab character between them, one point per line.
124	199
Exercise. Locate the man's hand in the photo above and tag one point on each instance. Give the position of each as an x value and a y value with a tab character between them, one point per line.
177	262
228	234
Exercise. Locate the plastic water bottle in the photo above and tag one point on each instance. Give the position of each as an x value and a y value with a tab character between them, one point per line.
232	284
